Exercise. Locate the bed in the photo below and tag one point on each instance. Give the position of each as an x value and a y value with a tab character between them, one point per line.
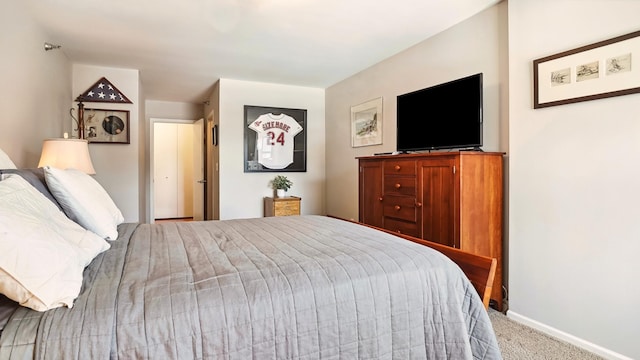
297	287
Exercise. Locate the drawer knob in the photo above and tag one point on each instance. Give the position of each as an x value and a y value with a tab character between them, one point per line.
380	198
398	185
418	204
397	207
397	167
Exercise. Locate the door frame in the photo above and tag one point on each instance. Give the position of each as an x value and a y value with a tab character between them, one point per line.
151	167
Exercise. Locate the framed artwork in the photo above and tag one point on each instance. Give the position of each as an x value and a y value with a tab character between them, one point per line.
106	126
366	123
604	69
275	139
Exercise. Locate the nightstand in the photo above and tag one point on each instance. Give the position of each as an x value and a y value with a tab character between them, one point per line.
285	206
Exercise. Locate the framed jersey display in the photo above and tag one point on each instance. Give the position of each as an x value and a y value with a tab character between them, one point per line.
275	139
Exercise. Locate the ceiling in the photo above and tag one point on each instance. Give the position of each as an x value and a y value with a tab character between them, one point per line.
182	47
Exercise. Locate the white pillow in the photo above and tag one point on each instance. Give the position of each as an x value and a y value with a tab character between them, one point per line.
42	252
85	201
5	161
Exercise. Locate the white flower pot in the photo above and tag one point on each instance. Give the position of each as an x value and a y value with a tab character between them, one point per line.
280	193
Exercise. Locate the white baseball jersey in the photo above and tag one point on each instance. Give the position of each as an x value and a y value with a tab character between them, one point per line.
275	139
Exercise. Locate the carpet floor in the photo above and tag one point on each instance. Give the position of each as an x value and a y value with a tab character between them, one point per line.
520	342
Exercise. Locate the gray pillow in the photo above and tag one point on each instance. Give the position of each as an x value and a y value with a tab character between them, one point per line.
35	177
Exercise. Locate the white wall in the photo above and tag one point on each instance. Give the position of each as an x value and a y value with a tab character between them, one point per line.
476	45
144	205
35	87
117	165
173	110
574	214
241	194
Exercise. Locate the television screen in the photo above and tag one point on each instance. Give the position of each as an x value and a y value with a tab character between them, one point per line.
444	116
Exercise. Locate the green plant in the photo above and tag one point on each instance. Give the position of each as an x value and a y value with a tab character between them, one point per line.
281	182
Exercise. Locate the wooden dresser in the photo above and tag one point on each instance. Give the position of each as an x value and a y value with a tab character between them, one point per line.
452	198
284	206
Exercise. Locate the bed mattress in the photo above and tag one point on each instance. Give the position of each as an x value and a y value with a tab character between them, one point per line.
297	287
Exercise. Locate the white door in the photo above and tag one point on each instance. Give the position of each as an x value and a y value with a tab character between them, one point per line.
178	168
185	167
198	170
165	149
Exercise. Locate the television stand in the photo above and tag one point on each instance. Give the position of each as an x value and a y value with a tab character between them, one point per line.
453	198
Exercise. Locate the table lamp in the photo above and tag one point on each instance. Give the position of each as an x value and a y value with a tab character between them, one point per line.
65	154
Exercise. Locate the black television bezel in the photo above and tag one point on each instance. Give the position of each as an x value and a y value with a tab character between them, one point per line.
479	122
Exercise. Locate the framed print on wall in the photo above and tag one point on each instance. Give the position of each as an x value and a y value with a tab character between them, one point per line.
107	126
604	69
366	123
275	139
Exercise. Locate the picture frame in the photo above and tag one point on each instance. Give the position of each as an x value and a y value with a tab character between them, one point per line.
366	123
275	139
600	70
107	126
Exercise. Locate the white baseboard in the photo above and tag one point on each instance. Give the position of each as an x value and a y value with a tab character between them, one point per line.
581	343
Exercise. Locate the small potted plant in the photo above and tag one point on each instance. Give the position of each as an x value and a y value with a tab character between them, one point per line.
281	184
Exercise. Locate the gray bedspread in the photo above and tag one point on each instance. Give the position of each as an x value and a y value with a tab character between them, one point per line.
298	287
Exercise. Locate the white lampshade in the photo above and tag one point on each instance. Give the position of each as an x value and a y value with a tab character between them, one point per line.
67	154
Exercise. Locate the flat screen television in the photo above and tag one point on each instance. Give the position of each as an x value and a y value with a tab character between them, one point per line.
444	116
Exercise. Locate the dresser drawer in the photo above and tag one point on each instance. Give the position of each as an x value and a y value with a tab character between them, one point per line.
400	207
282	206
400	185
402	227
400	167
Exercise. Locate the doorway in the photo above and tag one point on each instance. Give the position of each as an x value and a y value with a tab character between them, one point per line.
177	170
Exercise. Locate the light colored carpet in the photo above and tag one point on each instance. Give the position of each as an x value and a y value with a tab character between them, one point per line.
520	342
